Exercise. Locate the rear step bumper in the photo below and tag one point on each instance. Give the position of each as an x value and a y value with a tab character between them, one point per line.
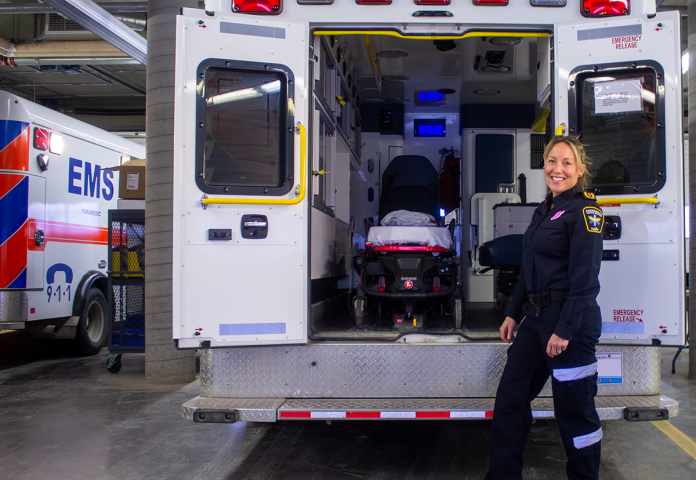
230	410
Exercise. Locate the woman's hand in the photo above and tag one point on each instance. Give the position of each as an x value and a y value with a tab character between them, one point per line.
556	346
506	330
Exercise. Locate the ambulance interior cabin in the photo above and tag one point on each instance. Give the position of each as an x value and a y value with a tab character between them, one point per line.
467	117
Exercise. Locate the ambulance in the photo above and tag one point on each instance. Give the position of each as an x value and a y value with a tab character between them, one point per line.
296	119
55	193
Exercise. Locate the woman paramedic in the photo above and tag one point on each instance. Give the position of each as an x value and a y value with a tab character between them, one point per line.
556	297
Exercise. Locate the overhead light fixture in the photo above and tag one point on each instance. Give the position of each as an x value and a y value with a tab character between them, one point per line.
490	68
396	78
486	91
398	100
391	54
505	40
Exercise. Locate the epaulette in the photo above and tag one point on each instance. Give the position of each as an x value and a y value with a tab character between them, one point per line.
589	196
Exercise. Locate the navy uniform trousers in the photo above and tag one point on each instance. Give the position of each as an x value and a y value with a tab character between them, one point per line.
574	382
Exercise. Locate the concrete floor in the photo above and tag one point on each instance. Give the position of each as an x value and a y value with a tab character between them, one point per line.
68	418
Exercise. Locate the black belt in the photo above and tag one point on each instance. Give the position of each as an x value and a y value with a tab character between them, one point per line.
545	299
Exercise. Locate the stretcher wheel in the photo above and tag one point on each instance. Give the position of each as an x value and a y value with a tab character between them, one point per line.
359	312
457	312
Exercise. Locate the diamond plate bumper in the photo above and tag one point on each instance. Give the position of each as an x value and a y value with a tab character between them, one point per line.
270	410
464	370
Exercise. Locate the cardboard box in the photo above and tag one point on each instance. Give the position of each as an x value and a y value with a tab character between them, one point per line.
131	183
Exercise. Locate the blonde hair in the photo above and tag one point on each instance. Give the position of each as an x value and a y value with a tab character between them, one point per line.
581	160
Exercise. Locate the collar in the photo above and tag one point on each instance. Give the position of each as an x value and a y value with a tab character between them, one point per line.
559	199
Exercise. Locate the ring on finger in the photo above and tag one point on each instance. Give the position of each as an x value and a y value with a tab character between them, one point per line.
558	352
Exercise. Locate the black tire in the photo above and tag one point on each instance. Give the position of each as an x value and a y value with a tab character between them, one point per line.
457	312
359	312
91	330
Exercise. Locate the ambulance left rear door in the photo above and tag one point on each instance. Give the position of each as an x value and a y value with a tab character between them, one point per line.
240	179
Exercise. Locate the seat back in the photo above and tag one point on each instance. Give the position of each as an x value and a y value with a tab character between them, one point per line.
410	182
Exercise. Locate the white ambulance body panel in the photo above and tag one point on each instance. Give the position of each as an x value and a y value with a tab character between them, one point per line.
68	202
286	289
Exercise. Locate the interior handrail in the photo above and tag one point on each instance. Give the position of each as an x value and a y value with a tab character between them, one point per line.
300	192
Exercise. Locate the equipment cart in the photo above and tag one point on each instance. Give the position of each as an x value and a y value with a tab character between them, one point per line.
126	285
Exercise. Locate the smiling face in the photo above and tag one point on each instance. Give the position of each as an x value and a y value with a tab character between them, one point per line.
560	169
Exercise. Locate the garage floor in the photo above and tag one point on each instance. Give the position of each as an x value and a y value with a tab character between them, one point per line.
68	418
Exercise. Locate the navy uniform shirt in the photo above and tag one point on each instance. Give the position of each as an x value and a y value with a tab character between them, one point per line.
562	250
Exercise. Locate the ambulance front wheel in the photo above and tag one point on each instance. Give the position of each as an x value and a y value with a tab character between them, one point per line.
91	330
359	312
457	312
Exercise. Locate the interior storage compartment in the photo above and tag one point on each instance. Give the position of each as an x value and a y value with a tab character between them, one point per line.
467	114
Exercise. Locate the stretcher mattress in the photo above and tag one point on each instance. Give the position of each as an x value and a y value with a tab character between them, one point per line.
413	235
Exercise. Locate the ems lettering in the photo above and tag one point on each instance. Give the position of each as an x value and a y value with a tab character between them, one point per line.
621	43
87	181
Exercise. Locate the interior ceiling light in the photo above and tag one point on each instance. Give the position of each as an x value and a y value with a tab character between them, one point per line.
392	54
505	40
491	68
398	100
447	91
395	78
486	91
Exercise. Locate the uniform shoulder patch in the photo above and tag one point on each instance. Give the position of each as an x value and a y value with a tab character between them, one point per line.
594	219
589	195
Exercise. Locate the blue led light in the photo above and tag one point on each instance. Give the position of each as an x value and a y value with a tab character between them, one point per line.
429	127
430	97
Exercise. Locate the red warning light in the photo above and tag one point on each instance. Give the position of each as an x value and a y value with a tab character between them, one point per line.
259	7
601	8
408	284
500	3
431	2
40	139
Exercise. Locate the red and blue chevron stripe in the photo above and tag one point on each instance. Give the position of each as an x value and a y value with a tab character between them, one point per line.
14	213
14	145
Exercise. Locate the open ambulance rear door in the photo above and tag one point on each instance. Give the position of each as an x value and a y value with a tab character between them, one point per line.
240	180
618	85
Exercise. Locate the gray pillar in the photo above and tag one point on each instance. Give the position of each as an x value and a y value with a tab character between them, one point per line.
692	181
163	363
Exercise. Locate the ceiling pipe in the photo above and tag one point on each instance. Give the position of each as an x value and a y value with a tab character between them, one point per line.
117	77
104	25
33	8
37	62
67	49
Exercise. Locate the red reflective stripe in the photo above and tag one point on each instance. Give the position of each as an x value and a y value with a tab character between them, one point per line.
13	256
362	414
15	156
295	414
8	182
408	248
67	233
489	414
432	414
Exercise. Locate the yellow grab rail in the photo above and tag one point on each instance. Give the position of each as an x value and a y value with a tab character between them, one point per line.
300	192
435	36
627	201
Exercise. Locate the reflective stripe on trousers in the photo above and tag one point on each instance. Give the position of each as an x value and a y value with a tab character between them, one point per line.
586	440
574	373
